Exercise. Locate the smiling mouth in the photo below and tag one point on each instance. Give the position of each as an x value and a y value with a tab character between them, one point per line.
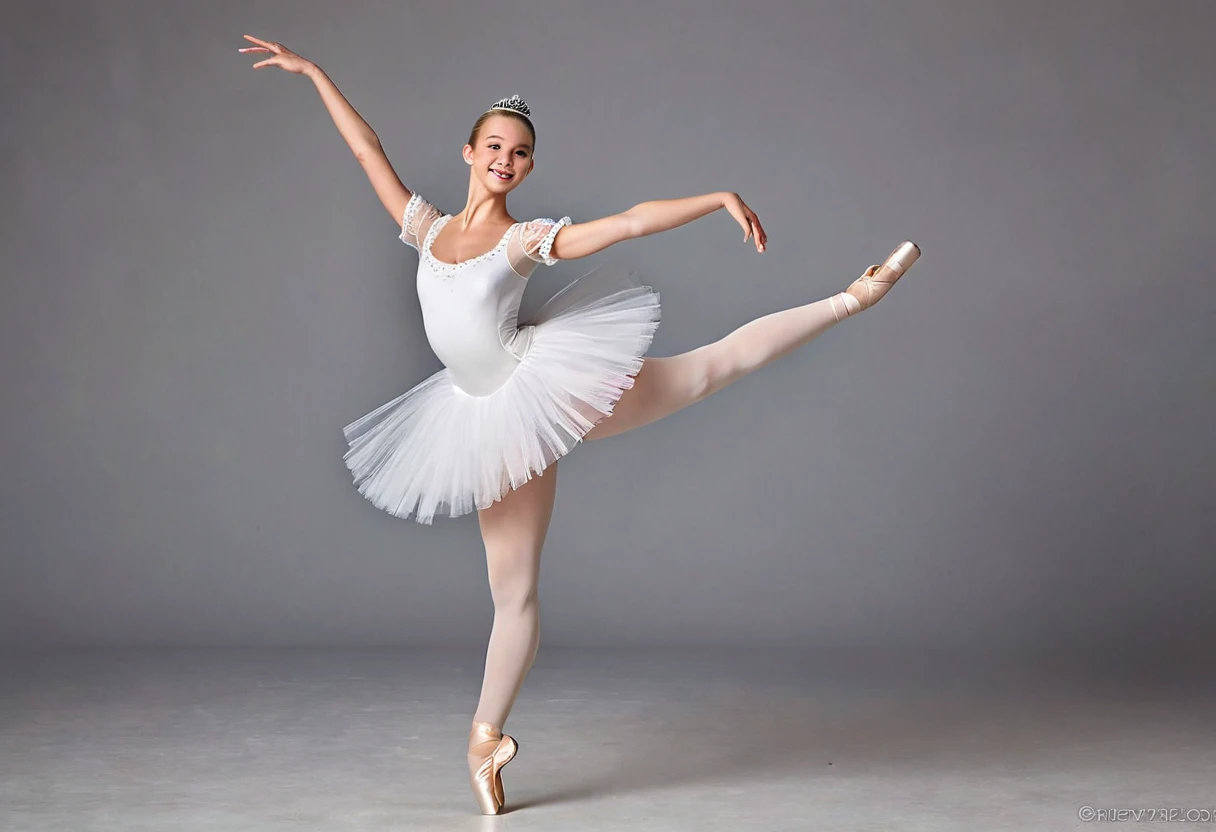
505	177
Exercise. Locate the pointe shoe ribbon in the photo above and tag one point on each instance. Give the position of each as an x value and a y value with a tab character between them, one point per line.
868	289
489	751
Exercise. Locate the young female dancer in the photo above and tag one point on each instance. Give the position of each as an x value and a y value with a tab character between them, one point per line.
483	433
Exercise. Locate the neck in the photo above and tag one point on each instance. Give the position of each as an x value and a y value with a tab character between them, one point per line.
483	207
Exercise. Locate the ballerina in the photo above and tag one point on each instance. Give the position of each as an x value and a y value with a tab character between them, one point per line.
486	432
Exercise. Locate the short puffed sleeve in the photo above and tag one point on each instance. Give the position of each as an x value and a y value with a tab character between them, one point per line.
533	243
417	220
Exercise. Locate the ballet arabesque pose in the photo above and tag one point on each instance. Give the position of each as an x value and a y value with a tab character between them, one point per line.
486	432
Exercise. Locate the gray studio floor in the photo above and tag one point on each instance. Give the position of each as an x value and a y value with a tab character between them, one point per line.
374	739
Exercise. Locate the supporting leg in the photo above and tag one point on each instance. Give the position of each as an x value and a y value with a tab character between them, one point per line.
513	531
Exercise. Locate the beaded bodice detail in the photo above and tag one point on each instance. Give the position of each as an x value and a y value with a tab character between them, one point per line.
470	309
449	270
525	243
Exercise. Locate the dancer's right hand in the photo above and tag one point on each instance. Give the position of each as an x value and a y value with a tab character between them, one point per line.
281	56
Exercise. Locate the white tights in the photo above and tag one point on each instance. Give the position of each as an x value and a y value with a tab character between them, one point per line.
513	529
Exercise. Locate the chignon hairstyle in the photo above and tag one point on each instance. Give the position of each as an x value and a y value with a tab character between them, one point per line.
484	117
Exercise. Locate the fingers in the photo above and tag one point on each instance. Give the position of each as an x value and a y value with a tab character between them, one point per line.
754	230
265	47
761	236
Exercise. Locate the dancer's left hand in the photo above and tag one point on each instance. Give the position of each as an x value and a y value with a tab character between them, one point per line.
747	218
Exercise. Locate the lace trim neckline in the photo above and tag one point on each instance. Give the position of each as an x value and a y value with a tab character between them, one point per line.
451	268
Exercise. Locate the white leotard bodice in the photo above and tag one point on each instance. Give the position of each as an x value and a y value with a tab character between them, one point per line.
470	310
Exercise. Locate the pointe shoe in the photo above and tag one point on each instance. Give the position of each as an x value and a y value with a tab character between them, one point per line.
869	289
489	750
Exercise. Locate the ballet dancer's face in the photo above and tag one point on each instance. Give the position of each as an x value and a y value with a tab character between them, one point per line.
502	157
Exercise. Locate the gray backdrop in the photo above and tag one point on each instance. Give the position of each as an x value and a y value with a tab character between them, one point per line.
1011	453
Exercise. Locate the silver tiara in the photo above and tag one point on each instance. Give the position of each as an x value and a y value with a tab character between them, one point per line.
515	104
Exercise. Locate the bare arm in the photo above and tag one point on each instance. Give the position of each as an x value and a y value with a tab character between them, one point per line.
584	239
364	143
359	136
666	214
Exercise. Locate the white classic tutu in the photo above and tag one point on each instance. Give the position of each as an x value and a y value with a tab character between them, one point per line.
439	450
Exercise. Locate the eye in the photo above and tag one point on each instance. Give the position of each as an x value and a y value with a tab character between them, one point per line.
523	153
493	147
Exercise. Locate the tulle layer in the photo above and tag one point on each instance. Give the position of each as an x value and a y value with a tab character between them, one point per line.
436	450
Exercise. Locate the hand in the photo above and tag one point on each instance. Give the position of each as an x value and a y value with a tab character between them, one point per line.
282	57
747	218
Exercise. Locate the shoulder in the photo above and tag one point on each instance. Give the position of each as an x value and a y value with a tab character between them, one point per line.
537	237
417	220
543	225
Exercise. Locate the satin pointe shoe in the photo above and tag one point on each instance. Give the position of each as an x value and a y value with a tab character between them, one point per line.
869	289
489	750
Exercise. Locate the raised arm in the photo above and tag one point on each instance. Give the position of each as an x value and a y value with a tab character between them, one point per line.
587	238
364	143
359	136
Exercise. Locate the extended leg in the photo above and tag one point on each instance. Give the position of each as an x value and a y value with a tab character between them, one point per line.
665	385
